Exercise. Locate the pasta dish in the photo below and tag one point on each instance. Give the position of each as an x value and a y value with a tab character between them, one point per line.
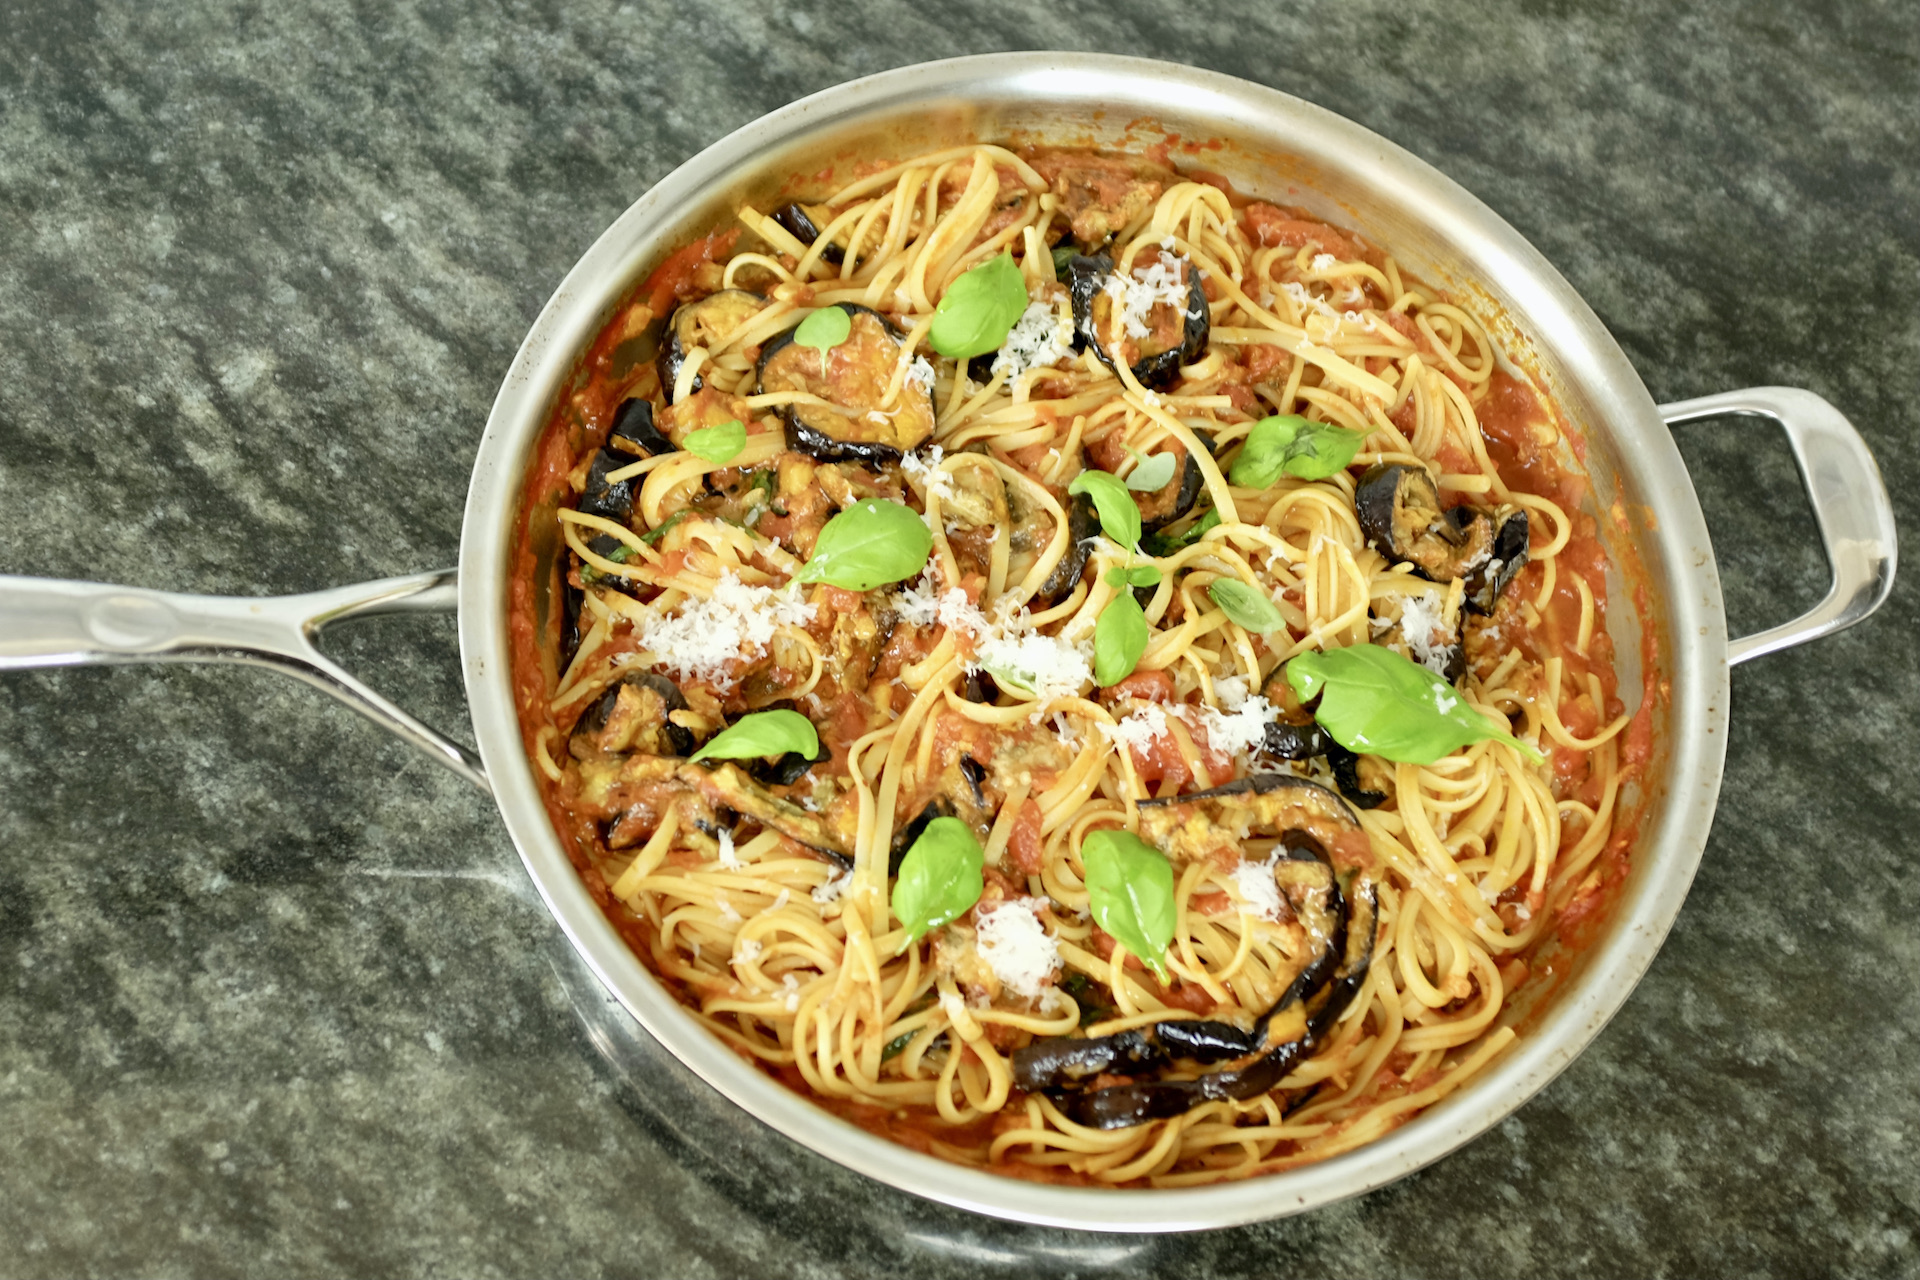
1085	673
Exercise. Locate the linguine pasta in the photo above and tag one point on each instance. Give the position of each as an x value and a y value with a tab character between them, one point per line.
762	889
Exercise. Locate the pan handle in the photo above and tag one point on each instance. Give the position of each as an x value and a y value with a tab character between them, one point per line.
45	622
1850	504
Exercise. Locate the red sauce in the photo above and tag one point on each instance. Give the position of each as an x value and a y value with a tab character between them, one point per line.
1526	460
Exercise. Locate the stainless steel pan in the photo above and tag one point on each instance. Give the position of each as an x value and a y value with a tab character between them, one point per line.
1274	146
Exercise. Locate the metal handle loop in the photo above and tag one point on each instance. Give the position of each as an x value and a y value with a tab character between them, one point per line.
46	622
1850	504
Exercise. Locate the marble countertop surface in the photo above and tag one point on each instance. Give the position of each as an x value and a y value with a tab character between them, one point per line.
275	994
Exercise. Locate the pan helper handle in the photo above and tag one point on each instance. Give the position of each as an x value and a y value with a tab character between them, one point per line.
46	622
1849	500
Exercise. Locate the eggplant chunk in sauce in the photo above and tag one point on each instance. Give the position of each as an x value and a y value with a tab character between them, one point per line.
1129	321
1257	1056
636	713
1083	526
1161	507
1399	511
854	424
804	223
706	323
634	432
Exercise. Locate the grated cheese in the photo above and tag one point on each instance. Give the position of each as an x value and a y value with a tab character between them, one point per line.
1138	731
737	621
922	606
1259	893
786	896
1040	337
747	950
1324	262
1151	286
1421	618
1017	947
727	913
790	988
833	888
920	374
1237	732
926	473
729	860
1231	691
1045	666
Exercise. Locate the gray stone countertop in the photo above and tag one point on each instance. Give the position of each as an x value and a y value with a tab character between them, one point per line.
275	994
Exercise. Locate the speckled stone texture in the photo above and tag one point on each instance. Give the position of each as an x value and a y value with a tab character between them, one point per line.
275	995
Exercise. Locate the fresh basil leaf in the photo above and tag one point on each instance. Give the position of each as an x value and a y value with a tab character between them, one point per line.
940	878
721	444
1130	884
1291	445
1119	513
763	733
979	309
1062	255
1320	449
1376	702
1133	575
824	330
1119	638
1245	605
871	543
1152	473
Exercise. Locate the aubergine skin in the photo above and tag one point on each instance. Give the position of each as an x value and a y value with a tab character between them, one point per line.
1086	282
729	308
1083	526
1398	507
1488	579
1062	1066
1175	500
610	500
822	447
643	696
633	423
793	216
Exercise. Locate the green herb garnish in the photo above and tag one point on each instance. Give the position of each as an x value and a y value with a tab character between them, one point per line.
978	310
762	734
940	877
870	544
1130	884
1244	605
1291	445
1376	702
720	445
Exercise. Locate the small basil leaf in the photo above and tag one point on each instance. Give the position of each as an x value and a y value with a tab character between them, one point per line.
871	543
1319	449
1119	513
940	877
1376	702
1119	638
721	444
978	310
1152	473
1130	884
824	330
763	733
1245	605
1291	445
1137	575
1061	257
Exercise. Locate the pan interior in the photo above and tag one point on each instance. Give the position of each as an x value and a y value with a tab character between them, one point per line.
1268	146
